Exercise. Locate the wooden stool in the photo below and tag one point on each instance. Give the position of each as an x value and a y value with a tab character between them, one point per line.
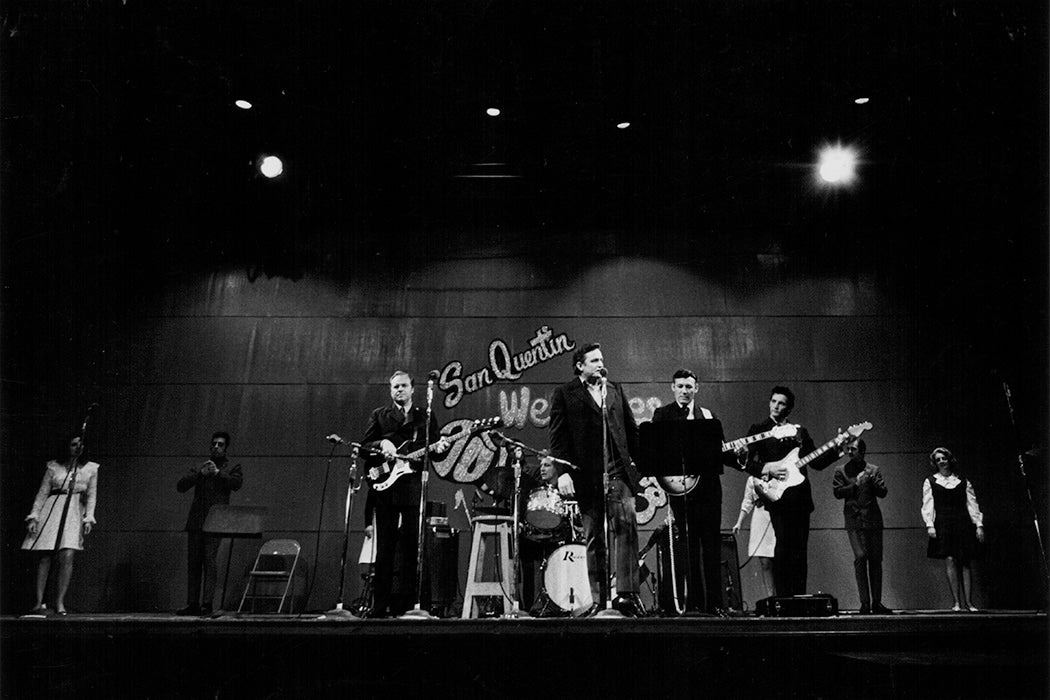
496	529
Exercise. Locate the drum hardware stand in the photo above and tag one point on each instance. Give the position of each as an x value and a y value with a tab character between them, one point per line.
352	487
418	613
609	610
1024	479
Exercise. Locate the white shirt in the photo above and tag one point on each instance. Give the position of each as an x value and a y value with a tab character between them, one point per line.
949	482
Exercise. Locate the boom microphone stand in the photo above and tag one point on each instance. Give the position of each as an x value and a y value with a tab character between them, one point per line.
609	610
71	479
352	487
418	613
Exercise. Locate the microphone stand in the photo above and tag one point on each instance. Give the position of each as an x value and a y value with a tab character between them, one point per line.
609	610
352	487
516	613
418	613
1024	480
71	482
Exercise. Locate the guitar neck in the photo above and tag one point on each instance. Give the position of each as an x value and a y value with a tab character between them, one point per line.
448	438
745	441
833	442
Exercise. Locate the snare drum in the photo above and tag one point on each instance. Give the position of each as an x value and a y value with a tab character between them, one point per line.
565	578
545	510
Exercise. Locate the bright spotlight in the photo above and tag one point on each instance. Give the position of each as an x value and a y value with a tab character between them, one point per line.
271	166
243	104
861	101
623	125
837	165
492	111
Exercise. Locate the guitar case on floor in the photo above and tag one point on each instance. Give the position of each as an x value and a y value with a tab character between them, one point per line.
808	605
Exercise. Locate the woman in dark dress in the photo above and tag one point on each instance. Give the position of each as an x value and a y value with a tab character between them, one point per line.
954	523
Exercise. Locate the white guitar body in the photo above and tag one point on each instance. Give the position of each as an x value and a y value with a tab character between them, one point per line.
772	489
398	470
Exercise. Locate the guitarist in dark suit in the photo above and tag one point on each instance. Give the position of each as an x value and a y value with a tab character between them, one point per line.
398	427
576	436
698	514
790	514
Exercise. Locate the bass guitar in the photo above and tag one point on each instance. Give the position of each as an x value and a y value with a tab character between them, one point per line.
383	476
681	485
772	488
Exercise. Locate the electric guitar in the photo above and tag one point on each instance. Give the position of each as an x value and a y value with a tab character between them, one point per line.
772	488
383	476
681	485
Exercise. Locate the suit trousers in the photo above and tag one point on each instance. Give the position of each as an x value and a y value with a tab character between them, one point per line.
623	526
698	520
203	555
398	503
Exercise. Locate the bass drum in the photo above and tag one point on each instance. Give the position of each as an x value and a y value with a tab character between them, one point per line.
565	578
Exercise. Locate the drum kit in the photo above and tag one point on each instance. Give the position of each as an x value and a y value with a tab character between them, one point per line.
556	522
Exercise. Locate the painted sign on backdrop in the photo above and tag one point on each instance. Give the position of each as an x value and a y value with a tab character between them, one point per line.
543	347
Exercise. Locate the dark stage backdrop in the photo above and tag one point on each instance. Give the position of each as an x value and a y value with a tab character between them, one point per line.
280	363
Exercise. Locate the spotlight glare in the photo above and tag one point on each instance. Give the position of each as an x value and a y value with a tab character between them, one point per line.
271	166
861	101
837	165
243	104
492	111
623	125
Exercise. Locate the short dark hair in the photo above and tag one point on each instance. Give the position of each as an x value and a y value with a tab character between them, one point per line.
684	374
788	393
399	372
577	357
221	434
947	453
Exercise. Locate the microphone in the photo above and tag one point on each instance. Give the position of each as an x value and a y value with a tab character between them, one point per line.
334	439
603	373
433	376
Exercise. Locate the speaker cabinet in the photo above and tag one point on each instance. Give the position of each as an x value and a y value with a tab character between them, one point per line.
440	578
732	596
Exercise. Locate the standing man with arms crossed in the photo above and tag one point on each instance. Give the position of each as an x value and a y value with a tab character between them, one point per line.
790	514
699	512
576	436
212	483
397	427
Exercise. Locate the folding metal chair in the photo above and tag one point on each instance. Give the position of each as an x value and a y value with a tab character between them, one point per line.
273	570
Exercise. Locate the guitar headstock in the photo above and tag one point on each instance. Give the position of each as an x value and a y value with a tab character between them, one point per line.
854	431
486	424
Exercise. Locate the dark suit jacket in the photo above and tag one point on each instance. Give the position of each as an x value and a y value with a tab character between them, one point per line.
576	436
209	490
389	423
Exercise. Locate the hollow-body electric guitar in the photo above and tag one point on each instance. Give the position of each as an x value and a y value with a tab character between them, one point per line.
681	485
383	476
772	488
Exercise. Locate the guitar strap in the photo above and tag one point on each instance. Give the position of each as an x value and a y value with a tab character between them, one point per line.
706	413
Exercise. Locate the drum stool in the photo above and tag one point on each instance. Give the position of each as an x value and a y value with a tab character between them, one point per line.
490	530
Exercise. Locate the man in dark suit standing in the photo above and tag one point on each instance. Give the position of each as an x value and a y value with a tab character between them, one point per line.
397	427
790	514
576	436
212	483
698	514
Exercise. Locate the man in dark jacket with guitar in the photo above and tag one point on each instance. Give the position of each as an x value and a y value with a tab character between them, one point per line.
790	512
397	429
576	436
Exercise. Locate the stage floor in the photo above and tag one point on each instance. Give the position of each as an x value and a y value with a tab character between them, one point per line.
917	654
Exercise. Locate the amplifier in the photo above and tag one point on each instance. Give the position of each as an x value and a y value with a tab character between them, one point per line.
809	605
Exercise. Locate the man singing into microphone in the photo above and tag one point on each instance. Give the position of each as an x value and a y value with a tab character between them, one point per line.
576	436
397	428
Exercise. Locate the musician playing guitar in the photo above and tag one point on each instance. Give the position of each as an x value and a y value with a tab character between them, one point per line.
698	513
790	512
397	428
